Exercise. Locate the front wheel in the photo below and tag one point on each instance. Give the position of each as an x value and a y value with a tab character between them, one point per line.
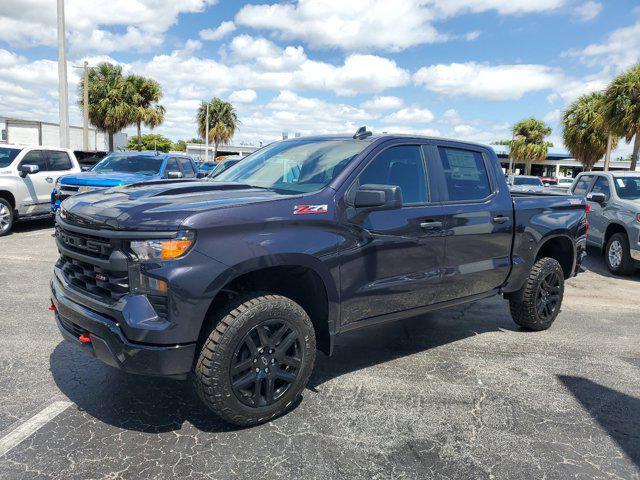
537	305
6	217
618	255
256	360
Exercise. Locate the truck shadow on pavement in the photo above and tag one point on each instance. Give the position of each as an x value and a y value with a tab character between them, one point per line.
617	413
156	405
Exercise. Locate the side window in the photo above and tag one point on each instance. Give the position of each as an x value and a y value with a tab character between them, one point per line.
172	166
59	161
582	185
465	174
35	157
186	168
401	166
602	186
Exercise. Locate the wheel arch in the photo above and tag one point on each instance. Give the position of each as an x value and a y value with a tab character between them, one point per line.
8	196
613	228
301	277
562	248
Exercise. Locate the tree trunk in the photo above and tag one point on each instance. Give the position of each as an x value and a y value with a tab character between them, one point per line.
139	137
527	169
111	141
215	151
636	151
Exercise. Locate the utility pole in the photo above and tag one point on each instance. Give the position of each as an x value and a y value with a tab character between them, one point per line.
206	140
63	94
85	108
607	157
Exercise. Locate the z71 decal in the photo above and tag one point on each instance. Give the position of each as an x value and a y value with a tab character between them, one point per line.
306	209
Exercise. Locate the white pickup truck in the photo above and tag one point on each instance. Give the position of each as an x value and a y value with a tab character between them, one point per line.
27	177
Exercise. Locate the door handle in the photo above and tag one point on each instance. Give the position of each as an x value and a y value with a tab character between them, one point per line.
500	219
431	225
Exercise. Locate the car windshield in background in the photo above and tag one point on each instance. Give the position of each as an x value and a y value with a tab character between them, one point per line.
527	181
628	188
8	155
223	166
294	166
145	165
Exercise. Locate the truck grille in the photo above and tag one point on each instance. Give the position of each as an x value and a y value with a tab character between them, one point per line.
93	279
85	244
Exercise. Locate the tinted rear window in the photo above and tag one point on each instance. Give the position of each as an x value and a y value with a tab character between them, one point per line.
8	155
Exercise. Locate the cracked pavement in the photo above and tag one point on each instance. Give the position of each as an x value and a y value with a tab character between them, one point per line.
459	393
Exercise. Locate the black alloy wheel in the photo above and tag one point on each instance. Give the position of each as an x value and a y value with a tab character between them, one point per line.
548	295
266	363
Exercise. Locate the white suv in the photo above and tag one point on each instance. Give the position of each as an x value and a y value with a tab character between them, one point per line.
27	177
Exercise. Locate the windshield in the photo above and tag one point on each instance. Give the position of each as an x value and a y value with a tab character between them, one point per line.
8	155
628	188
145	165
222	166
294	166
527	181
566	180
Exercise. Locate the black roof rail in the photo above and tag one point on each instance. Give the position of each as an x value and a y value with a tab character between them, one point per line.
362	133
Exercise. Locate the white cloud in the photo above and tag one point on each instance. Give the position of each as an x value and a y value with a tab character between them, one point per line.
375	24
222	30
553	116
452	117
500	82
588	10
243	96
410	115
620	49
33	22
381	104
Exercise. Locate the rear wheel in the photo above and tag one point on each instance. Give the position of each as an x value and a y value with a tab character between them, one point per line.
257	359
538	304
6	217
618	256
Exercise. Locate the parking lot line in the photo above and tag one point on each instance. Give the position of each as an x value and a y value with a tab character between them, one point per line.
31	426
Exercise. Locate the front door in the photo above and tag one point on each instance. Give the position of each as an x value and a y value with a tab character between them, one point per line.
596	216
478	221
391	260
35	189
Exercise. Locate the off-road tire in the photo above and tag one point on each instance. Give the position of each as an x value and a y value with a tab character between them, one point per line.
9	216
525	307
627	265
212	371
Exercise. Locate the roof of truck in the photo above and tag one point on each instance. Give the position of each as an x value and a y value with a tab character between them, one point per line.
384	136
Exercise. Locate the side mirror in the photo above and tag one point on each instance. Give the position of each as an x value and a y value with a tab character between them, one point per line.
174	175
378	197
28	170
85	168
597	197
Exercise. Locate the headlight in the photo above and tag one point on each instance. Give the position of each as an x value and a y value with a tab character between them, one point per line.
164	249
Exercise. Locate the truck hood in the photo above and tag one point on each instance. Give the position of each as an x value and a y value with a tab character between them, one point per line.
93	179
158	205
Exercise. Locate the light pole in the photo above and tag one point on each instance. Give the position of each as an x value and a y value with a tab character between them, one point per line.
206	135
85	105
63	94
607	157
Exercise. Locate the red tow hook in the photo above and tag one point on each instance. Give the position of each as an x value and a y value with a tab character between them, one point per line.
52	308
84	338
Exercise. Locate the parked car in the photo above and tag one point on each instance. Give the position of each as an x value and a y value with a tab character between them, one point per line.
614	216
27	175
238	279
122	168
525	183
210	166
224	165
563	185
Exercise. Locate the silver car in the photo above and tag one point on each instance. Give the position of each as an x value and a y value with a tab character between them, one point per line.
614	217
525	184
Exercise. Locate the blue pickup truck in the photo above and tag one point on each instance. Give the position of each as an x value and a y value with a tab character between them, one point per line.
123	168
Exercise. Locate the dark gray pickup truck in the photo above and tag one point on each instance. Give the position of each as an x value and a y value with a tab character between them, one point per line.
237	280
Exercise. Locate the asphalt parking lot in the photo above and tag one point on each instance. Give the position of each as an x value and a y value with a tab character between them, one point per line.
460	393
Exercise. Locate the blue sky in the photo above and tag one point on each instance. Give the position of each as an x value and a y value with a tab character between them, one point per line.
460	68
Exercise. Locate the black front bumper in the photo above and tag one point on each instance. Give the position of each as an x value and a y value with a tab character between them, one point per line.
109	344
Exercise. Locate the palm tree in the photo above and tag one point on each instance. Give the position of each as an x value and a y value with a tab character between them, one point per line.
585	131
622	108
144	96
529	144
223	122
109	108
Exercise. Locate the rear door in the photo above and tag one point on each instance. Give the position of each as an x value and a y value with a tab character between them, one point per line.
394	261
478	220
59	163
35	189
